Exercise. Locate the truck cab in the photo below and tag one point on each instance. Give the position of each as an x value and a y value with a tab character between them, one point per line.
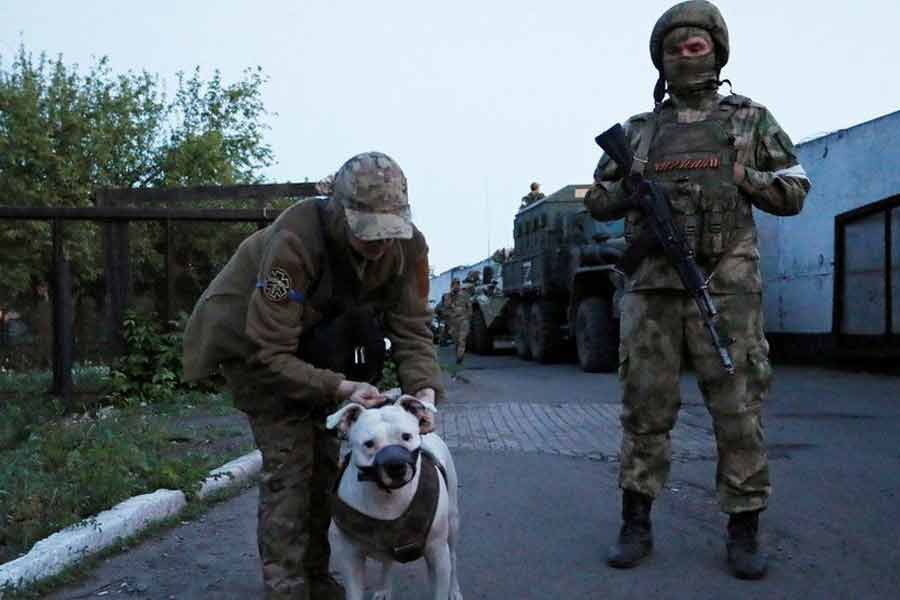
562	283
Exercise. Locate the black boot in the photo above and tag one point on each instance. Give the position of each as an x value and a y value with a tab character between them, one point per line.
744	556
635	538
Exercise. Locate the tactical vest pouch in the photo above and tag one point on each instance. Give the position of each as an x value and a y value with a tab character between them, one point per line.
694	162
721	222
685	198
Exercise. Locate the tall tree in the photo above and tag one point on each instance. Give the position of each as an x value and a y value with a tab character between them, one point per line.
65	133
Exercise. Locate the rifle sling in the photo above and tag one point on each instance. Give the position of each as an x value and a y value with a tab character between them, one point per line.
647	131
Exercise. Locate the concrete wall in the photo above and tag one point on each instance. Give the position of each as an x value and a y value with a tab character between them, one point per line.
848	169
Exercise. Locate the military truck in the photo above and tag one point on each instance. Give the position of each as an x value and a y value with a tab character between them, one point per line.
561	282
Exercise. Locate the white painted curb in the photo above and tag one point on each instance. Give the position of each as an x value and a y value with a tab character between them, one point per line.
65	548
237	472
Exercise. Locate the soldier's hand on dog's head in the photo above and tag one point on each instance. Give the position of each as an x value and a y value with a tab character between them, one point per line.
426	395
360	392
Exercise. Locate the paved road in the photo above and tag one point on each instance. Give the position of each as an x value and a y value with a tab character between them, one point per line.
536	449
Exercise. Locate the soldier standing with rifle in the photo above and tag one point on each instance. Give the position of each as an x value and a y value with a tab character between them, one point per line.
685	177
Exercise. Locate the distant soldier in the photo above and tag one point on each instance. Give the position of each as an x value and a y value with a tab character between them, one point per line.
457	311
533	196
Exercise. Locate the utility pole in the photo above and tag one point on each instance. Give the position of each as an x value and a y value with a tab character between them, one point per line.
487	214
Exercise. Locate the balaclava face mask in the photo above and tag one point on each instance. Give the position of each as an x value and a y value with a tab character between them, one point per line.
689	76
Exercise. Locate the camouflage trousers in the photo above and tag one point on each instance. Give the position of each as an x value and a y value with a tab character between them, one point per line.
300	465
656	329
459	329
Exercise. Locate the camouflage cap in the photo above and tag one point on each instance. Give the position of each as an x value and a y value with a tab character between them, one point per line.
693	13
372	189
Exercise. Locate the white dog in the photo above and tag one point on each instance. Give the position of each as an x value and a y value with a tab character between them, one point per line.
397	497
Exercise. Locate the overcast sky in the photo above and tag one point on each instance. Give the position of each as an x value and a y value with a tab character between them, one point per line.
474	99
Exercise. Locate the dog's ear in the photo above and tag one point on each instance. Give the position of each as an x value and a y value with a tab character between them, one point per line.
344	418
420	409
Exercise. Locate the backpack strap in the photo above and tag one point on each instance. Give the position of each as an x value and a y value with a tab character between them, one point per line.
647	130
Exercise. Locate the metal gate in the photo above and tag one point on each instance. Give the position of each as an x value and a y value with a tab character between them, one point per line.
113	211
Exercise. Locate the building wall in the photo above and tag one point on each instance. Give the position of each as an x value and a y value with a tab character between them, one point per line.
848	169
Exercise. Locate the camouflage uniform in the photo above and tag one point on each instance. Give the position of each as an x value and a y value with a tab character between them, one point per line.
252	331
658	319
458	314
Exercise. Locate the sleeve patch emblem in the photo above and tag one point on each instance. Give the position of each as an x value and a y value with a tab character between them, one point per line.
278	285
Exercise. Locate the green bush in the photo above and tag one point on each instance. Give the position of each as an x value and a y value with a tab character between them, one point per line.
150	370
389	377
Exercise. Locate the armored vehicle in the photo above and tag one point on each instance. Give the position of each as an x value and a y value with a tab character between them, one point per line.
490	313
561	281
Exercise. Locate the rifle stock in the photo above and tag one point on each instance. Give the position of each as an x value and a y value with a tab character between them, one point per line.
615	144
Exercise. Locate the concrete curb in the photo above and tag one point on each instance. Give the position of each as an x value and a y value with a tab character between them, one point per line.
65	548
234	473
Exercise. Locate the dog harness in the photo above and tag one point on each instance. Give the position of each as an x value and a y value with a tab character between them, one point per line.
402	538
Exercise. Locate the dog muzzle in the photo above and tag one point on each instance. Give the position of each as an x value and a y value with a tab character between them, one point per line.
391	461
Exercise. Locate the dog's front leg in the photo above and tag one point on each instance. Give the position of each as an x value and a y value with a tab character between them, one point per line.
350	563
437	557
384	585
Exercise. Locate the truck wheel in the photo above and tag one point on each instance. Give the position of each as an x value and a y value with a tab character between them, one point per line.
544	333
520	334
596	336
482	342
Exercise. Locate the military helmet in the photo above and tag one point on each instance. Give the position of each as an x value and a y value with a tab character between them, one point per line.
693	13
372	189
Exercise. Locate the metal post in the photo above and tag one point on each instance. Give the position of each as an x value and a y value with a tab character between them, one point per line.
170	273
116	275
261	205
62	319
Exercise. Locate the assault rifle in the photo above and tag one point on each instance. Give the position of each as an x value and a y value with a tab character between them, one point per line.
651	198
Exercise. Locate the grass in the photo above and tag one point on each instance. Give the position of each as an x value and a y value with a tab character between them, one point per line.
25	404
56	469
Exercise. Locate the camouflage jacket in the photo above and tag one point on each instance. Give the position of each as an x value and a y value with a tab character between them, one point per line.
275	287
456	306
775	183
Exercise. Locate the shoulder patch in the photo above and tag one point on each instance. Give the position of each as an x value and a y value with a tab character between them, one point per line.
278	285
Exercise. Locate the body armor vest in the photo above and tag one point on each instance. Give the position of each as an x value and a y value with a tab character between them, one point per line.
694	162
